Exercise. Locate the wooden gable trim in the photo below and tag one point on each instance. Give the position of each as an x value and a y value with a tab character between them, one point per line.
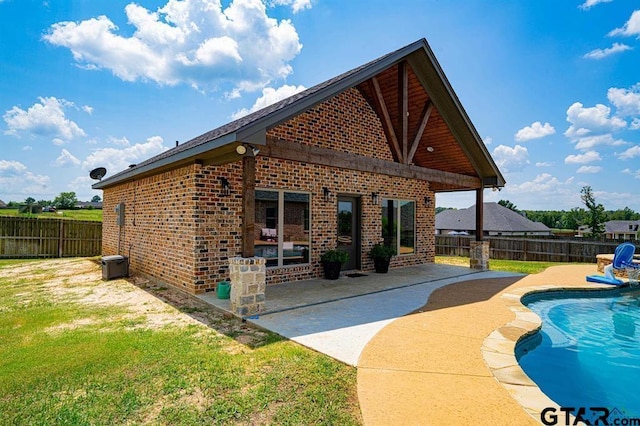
286	150
403	109
424	119
387	125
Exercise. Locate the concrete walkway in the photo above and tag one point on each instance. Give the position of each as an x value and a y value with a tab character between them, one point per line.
338	318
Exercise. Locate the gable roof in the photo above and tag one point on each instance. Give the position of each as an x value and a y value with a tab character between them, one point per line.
496	218
622	226
217	145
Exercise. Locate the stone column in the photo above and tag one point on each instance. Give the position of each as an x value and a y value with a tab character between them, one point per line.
248	282
479	255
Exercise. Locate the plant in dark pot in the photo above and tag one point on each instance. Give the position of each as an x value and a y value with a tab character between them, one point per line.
332	261
381	256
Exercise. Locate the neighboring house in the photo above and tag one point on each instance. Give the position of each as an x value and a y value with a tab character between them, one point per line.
3	205
87	204
348	163
497	221
616	230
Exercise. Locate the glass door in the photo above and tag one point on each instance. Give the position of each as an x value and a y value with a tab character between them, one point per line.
349	230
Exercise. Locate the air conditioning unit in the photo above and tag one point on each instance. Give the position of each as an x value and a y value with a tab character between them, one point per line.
115	267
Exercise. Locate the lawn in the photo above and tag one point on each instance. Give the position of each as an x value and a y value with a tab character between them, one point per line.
516	266
77	350
94	215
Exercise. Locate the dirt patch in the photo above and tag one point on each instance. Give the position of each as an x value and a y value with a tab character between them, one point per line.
141	302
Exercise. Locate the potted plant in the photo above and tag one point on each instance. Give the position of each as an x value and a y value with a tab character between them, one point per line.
332	261
381	256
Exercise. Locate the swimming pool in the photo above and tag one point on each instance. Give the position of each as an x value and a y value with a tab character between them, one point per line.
587	353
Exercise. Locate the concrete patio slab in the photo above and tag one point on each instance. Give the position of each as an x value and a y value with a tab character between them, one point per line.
339	317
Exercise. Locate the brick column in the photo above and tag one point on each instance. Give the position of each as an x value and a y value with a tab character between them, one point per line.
479	255
248	282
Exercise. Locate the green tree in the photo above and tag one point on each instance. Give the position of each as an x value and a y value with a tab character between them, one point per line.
574	218
66	200
96	199
30	200
508	204
595	213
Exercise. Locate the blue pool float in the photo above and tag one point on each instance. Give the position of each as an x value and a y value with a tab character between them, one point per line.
604	280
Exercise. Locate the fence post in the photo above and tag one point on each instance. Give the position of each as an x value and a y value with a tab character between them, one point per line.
60	238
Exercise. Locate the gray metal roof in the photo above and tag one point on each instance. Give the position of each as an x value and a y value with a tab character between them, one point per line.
496	218
252	128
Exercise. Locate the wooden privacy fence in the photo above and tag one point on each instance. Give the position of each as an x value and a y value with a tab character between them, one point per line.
528	249
23	237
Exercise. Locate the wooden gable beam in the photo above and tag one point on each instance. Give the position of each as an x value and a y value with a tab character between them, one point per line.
285	150
386	122
424	119
403	109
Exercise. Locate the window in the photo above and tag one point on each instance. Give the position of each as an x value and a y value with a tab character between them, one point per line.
398	225
282	227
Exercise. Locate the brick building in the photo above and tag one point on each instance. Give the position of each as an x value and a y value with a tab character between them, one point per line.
348	163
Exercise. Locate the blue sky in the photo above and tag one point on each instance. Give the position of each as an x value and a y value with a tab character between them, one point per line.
553	87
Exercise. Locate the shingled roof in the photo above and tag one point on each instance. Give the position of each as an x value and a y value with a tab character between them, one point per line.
252	128
496	218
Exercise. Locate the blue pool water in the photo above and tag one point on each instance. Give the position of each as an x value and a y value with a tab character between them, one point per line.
588	351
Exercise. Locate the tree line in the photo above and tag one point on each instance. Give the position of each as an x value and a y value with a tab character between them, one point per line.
64	201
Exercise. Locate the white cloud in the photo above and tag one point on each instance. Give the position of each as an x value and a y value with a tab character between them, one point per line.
488	140
590	3
535	131
269	96
195	42
630	28
11	167
123	141
46	118
543	164
635	124
66	159
594	119
635	174
632	152
587	157
116	160
626	101
590	142
88	109
589	169
27	148
16	176
296	5
603	53
508	158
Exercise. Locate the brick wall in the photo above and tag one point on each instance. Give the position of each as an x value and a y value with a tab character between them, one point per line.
181	229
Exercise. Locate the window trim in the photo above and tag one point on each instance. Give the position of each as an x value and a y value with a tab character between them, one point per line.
398	230
280	227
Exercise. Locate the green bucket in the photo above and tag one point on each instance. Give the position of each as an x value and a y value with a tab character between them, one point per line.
223	290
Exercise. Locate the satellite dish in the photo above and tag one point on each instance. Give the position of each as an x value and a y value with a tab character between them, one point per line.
98	173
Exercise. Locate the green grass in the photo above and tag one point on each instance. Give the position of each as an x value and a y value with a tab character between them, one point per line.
110	372
516	266
94	215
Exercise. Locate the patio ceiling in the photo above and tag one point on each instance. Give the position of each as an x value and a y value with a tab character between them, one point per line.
416	132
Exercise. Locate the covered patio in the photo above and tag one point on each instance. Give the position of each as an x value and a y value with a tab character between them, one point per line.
339	317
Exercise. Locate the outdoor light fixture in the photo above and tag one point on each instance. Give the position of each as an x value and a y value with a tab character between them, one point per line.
327	193
242	149
226	186
374	197
427	201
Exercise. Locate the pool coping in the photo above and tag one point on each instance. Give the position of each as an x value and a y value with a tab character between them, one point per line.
499	348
